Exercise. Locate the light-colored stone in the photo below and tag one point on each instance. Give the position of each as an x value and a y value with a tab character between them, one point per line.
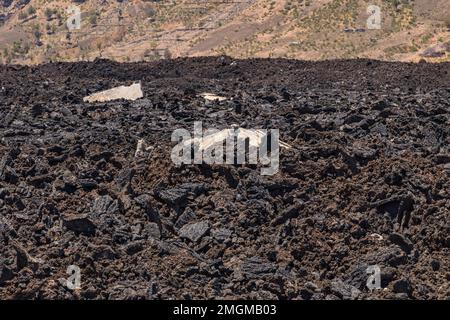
132	92
212	97
255	137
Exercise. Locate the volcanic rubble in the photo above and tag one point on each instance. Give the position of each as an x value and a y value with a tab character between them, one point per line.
365	182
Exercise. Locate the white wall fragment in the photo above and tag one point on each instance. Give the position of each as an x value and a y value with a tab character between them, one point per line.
255	138
212	97
132	92
141	148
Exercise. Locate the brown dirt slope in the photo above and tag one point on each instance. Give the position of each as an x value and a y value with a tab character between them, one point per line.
35	31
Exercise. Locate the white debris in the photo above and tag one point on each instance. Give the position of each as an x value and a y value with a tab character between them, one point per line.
141	147
255	138
210	140
212	97
261	134
132	92
376	236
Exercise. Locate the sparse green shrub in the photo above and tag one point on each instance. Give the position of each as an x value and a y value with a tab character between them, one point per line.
31	10
48	13
16	47
149	11
93	18
36	31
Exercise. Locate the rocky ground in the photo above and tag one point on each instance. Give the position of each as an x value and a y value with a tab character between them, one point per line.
365	183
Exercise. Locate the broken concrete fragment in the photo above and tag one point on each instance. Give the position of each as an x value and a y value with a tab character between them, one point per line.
256	138
141	148
194	231
132	92
376	236
212	97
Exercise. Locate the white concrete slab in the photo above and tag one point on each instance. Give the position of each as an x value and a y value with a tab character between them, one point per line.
132	92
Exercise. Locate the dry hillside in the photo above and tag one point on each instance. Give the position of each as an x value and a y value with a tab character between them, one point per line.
35	31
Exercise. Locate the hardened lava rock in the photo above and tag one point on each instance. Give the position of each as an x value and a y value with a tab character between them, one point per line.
364	186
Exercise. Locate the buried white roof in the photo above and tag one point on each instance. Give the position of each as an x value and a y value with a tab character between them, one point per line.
255	138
